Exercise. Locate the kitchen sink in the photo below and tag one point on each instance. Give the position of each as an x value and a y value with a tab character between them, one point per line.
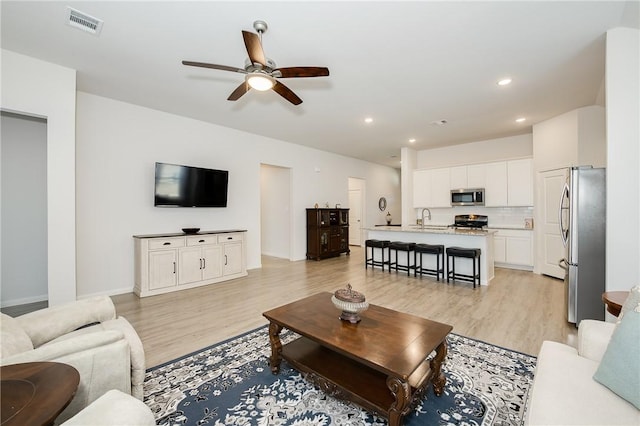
430	226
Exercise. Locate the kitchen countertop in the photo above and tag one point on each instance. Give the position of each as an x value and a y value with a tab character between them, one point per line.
434	229
516	227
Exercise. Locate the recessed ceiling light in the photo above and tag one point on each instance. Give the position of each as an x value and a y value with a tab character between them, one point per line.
520	120
412	140
504	82
368	120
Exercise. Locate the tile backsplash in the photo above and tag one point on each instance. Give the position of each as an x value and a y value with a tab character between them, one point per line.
498	216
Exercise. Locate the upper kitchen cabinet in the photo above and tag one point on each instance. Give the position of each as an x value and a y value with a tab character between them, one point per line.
506	183
421	188
520	182
431	188
458	177
471	176
495	187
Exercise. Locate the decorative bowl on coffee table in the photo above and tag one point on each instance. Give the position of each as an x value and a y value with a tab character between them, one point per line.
351	303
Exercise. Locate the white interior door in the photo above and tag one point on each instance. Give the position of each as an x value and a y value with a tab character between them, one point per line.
355	217
552	183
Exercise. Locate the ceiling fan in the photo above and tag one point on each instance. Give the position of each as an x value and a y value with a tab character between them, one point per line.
261	72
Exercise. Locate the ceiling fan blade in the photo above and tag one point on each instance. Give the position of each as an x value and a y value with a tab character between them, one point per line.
286	93
213	66
302	72
240	90
254	48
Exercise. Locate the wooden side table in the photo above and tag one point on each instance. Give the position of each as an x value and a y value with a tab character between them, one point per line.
35	393
614	301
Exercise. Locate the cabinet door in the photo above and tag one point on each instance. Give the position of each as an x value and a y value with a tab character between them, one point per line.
458	177
499	249
421	188
190	265
232	258
211	261
496	184
476	176
344	238
440	190
162	269
519	251
520	178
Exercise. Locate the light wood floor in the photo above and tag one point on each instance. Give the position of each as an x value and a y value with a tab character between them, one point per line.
517	311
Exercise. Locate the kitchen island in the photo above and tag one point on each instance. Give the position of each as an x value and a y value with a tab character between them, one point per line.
449	237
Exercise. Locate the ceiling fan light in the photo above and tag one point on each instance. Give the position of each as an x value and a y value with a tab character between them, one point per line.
260	81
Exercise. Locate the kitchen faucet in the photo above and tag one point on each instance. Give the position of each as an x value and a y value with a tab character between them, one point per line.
429	217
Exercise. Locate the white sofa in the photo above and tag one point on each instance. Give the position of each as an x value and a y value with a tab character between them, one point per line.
114	408
85	334
564	391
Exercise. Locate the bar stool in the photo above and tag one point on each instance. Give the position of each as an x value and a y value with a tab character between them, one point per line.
422	249
469	253
397	246
374	244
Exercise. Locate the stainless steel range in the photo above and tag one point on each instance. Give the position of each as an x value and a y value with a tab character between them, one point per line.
470	221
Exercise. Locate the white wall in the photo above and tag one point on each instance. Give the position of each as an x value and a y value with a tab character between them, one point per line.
409	162
575	138
117	146
41	89
476	152
623	158
24	209
275	211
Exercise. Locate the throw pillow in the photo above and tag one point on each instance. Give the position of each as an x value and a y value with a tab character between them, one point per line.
619	369
631	302
13	339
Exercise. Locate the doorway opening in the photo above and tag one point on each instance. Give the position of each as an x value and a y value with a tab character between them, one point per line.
275	211
23	228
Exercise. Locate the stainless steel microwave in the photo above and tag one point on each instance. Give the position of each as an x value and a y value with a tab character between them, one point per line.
467	197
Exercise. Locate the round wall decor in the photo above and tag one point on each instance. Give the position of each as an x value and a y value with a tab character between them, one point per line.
382	204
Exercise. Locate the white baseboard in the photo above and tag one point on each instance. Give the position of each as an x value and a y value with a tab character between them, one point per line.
24	301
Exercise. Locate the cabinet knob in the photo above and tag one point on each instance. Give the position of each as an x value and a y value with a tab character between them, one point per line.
166	244
201	241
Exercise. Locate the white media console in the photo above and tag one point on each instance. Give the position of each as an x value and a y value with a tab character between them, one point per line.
172	262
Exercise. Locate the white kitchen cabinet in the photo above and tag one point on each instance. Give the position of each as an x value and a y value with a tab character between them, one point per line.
520	182
458	177
440	190
500	249
422	188
431	188
513	248
171	262
476	176
496	184
506	183
471	176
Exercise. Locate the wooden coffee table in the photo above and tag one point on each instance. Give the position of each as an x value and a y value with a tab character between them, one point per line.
379	363
35	393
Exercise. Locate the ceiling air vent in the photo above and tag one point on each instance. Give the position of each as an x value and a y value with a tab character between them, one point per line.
82	21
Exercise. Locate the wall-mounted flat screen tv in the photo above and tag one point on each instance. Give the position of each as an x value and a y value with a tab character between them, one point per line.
185	186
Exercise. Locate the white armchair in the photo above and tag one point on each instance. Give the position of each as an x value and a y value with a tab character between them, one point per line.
564	391
85	334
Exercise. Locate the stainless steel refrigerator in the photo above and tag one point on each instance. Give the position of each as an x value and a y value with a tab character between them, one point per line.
582	220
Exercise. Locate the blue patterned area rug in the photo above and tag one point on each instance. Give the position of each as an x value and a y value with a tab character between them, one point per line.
230	383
